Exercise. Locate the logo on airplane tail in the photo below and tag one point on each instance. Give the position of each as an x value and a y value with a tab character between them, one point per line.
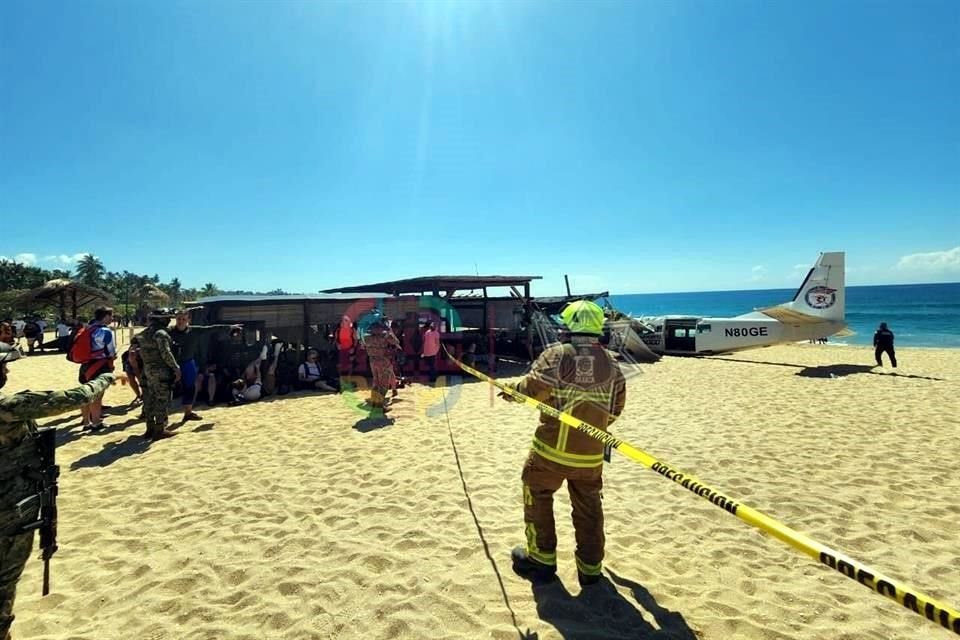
821	297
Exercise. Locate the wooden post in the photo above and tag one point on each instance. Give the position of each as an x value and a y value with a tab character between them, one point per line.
488	323
306	324
567	280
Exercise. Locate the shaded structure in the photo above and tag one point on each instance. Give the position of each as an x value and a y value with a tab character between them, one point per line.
468	317
62	292
448	285
484	316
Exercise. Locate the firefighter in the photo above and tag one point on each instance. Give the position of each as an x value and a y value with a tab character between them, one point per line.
579	377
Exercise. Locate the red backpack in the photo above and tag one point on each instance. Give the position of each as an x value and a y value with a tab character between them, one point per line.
81	349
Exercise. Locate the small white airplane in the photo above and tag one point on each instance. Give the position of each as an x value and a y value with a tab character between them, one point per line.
816	311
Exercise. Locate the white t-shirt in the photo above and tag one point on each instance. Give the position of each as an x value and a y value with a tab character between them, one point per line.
63	330
19	325
42	324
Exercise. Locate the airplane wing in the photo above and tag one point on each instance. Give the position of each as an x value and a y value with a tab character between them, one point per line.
789	316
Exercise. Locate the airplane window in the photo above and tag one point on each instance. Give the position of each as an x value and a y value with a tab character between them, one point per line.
679	333
703	328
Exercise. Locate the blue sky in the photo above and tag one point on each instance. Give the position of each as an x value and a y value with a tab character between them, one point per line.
637	146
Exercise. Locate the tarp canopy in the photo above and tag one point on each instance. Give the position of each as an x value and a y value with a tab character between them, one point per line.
428	284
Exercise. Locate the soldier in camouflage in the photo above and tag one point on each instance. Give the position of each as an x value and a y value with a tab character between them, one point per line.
19	461
161	372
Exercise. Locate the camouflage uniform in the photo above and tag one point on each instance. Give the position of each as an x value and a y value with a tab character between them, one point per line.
582	379
18	457
159	370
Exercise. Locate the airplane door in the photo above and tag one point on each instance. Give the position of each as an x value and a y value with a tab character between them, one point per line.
680	335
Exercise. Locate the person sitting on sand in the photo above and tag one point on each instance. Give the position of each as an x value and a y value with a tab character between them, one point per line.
249	388
226	364
310	374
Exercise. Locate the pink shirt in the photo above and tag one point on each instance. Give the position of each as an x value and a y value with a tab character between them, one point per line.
431	342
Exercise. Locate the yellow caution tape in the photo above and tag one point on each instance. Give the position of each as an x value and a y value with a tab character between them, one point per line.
910	598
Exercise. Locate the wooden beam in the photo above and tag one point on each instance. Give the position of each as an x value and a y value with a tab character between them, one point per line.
306	324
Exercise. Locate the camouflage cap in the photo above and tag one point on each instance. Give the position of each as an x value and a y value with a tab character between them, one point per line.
163	312
8	353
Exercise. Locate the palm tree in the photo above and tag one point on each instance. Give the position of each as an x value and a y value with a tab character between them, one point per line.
90	270
174	290
209	290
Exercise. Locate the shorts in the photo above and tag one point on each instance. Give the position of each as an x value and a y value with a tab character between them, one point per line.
188	380
250	394
90	370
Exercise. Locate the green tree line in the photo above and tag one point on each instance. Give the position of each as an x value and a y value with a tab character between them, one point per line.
130	291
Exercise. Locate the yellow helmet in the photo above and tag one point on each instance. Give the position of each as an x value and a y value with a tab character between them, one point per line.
583	316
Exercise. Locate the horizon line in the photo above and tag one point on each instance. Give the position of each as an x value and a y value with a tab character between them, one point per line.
849	286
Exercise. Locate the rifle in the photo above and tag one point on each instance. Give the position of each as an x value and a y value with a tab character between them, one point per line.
47	497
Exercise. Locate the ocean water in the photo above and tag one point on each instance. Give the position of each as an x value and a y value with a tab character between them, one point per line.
920	315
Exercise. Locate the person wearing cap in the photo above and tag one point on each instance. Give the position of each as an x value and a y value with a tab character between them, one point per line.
579	377
160	371
19	462
883	343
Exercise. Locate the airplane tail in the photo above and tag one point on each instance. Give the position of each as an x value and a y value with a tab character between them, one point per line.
821	297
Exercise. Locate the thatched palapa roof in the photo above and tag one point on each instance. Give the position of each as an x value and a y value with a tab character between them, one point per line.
62	291
153	293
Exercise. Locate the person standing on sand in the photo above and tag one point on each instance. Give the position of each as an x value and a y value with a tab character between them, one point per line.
103	351
580	378
380	345
883	343
431	349
160	371
186	340
7	334
19	462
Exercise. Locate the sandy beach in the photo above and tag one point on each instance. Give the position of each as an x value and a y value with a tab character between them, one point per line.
297	519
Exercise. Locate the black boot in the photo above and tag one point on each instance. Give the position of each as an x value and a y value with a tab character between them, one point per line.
534	571
586	581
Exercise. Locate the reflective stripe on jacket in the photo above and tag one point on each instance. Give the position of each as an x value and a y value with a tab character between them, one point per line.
580	378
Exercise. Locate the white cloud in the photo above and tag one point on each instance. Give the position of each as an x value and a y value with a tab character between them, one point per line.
65	259
28	259
31	259
759	273
933	262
